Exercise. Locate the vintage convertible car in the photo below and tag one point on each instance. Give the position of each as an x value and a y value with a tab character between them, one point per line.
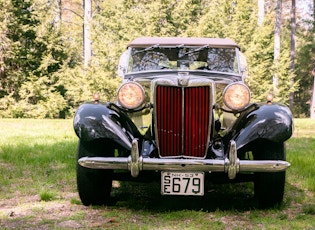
183	116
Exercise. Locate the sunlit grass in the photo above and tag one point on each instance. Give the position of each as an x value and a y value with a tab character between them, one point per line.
304	127
47	196
301	154
36	154
37	159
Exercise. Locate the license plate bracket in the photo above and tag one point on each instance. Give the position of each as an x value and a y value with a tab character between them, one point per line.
182	183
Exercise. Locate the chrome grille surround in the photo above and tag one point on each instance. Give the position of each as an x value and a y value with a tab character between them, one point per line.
182	116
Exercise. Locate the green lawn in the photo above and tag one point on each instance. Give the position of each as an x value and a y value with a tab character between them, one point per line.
38	189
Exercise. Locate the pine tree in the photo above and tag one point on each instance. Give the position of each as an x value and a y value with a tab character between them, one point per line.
36	53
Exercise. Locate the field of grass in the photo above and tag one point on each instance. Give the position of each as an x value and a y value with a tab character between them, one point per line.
38	189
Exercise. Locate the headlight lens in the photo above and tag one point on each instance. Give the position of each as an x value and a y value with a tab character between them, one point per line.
130	95
236	96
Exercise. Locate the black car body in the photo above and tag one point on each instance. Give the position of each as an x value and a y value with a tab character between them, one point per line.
183	112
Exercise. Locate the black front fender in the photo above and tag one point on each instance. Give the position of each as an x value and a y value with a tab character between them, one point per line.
272	122
96	120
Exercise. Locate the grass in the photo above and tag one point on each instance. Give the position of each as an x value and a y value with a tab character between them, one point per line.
38	189
301	154
36	153
47	196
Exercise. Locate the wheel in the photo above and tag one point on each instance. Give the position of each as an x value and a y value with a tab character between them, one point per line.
94	185
269	186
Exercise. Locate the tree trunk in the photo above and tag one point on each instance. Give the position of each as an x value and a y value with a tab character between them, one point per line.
312	106
277	45
87	46
261	12
292	52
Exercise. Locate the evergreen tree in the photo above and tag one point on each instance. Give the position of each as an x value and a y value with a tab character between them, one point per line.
260	60
35	54
41	71
304	65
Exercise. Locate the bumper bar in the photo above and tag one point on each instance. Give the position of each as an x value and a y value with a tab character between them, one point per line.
231	165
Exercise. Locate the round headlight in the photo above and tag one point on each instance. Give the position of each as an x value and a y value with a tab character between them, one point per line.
236	96
130	95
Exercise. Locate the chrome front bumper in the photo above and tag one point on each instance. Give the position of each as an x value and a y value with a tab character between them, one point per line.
231	165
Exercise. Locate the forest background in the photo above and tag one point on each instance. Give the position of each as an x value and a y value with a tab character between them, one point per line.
42	68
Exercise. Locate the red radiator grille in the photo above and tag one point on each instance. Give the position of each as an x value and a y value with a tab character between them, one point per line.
182	120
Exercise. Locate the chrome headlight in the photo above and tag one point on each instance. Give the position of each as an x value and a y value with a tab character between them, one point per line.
236	96
130	95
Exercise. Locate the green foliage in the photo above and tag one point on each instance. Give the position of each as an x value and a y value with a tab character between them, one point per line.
34	57
305	63
41	72
262	66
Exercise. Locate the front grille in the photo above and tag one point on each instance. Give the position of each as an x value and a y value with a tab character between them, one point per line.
182	120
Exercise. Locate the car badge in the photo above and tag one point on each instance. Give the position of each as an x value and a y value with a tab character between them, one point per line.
183	78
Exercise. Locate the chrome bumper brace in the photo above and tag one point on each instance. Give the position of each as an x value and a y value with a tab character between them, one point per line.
231	165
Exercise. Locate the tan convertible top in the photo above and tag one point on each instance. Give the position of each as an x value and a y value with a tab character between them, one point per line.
178	41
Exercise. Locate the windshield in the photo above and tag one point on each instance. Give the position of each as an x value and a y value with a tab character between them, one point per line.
183	58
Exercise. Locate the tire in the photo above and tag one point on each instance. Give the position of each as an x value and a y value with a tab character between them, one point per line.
94	185
269	186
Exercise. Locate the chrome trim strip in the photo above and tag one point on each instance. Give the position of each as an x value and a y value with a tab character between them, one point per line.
231	165
198	165
183	120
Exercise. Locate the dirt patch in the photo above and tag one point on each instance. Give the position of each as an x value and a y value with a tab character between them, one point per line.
66	212
32	213
29	212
